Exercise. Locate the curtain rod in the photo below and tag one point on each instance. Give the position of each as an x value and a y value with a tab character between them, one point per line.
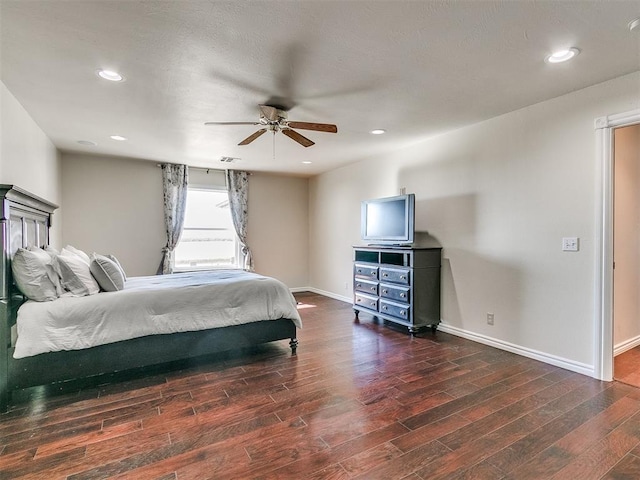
203	168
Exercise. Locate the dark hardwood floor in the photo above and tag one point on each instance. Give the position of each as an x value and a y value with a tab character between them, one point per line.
359	401
626	367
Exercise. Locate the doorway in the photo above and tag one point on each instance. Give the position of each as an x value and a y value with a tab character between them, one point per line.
626	254
603	288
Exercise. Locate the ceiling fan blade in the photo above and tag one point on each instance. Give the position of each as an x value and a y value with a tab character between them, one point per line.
252	137
270	113
232	123
320	127
293	135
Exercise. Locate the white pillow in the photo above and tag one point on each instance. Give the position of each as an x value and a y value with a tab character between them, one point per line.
114	259
75	251
76	276
50	260
107	273
31	276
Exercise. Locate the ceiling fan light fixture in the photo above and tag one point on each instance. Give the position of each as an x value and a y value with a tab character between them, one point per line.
378	131
119	138
307	162
563	55
110	75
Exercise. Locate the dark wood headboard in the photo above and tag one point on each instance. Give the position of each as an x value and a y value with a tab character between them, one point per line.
24	221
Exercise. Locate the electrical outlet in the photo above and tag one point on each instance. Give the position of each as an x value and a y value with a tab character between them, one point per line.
489	318
570	244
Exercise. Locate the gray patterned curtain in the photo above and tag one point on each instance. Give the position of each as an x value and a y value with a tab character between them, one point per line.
238	188
174	189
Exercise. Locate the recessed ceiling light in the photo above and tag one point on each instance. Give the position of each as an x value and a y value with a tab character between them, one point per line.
634	25
119	138
110	75
307	162
378	131
562	55
87	142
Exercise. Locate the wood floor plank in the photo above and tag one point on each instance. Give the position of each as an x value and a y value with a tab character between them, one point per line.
545	436
626	469
339	453
405	464
595	462
358	401
562	452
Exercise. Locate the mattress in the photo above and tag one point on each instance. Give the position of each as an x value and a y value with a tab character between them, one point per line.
152	305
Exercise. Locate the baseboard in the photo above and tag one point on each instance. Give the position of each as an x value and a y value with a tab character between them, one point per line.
626	345
323	293
567	364
299	289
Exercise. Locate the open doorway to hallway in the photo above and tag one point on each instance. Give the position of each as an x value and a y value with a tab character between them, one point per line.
626	254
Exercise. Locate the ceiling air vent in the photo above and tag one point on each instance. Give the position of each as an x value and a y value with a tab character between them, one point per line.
228	159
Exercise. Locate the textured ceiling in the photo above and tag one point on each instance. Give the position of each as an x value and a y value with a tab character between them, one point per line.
414	68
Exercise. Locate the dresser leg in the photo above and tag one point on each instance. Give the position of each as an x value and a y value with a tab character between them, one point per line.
356	318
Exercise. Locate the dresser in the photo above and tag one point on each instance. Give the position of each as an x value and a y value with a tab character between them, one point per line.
398	284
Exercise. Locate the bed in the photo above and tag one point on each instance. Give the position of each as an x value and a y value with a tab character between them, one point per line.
40	343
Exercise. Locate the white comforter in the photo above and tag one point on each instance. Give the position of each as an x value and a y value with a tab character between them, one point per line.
152	305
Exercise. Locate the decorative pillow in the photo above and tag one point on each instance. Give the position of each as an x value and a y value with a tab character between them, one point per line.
75	251
31	276
53	253
107	273
50	262
76	276
111	257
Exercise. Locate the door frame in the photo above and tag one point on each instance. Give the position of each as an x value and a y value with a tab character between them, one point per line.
603	334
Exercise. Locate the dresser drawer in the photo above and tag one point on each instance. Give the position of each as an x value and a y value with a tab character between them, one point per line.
395	292
395	310
366	301
395	275
365	286
365	271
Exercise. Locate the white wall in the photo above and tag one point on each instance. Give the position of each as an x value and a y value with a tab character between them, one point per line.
28	159
498	196
278	230
626	247
114	205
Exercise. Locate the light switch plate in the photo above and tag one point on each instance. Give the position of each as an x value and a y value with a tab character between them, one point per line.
570	244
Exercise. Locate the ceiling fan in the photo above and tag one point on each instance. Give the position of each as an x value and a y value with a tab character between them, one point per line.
275	120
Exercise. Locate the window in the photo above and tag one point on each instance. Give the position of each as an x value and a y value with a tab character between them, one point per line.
208	238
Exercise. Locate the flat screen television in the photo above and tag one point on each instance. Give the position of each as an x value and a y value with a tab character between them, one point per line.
388	221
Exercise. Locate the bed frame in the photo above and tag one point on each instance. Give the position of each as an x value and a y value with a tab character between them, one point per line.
25	220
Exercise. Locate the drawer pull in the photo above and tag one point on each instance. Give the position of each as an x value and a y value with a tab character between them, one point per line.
402	295
385	274
358	300
384	307
385	291
403	277
373	289
373	272
373	304
402	312
359	270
